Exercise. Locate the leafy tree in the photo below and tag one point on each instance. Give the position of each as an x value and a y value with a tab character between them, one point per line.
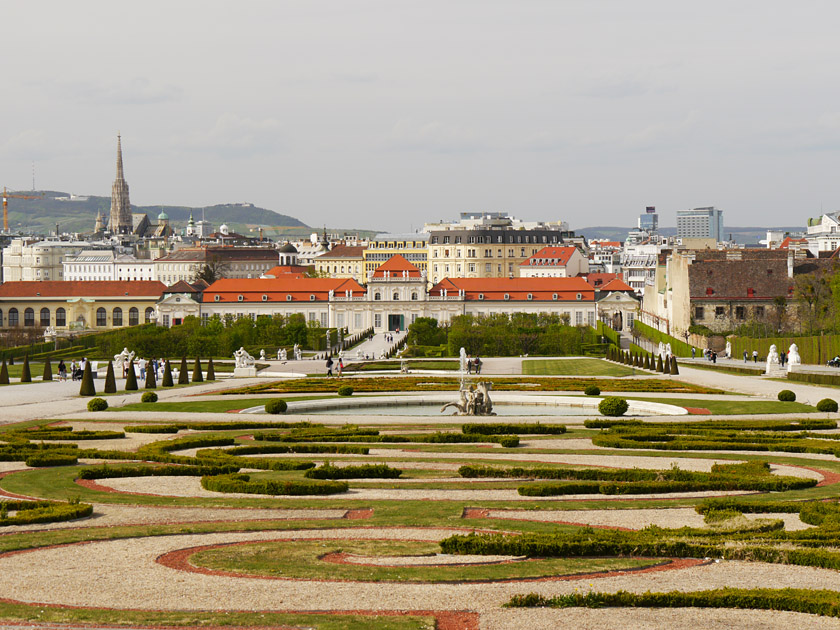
424	331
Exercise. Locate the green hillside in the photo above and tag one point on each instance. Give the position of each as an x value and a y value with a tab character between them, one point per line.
78	215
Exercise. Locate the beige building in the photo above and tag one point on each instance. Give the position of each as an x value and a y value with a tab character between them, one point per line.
235	262
97	305
411	246
38	260
342	261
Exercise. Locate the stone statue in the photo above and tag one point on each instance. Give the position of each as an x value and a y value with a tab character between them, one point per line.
793	357
262	354
473	401
728	349
122	359
772	359
282	353
243	359
49	332
297	352
661	350
668	350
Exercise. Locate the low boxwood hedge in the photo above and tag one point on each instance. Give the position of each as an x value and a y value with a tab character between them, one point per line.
45	459
110	472
365	471
244	484
514	428
33	512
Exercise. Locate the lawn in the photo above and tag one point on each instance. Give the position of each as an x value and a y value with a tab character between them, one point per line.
208	406
735	407
577	367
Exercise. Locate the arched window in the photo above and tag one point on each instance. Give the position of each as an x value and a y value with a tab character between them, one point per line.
60	317
414	297
45	317
116	316
149	312
133	316
101	317
396	295
377	296
29	317
13	317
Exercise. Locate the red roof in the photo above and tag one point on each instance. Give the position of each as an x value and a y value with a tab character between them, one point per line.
395	266
599	280
598	243
286	288
82	288
788	240
286	270
553	256
517	289
617	284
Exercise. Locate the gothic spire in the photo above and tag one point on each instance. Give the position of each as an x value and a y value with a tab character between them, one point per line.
119	157
120	220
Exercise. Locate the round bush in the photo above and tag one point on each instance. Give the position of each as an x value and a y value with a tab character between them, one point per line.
97	404
149	397
787	396
827	404
509	441
592	390
613	406
278	405
345	390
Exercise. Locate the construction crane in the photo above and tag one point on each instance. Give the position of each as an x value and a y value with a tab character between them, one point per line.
6	196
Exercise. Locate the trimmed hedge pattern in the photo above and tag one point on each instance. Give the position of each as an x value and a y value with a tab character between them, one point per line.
243	484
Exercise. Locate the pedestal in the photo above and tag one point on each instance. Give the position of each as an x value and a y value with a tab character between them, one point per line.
244	372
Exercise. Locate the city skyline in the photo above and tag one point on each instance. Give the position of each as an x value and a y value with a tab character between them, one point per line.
395	115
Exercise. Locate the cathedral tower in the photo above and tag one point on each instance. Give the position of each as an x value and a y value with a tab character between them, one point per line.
120	221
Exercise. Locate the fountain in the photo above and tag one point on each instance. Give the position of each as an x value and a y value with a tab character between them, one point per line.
473	400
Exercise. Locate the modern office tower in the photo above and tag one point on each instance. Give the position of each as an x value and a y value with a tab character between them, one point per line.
700	223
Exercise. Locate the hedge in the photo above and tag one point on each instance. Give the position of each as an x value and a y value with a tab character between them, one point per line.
712	483
32	512
60	433
679	348
216	426
511	429
110	472
817	379
43	460
365	471
296	448
243	484
804	424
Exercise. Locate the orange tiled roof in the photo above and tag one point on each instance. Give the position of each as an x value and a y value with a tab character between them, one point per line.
616	284
285	270
554	256
395	265
788	241
286	288
517	288
82	288
598	280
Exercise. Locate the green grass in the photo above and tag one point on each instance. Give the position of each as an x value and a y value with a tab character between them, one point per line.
208	406
413	364
736	407
302	560
577	367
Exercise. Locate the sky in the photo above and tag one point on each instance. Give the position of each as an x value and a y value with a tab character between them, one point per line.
385	114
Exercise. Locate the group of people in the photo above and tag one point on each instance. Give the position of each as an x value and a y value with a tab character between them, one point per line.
339	365
473	365
77	369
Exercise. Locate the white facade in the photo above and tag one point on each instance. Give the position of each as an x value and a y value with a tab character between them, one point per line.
38	260
700	223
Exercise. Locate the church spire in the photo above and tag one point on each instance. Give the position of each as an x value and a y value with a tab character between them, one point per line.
120	220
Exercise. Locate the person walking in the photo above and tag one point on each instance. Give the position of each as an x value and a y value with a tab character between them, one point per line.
340	366
469	364
62	371
329	365
142	365
755	356
693	352
745	356
477	365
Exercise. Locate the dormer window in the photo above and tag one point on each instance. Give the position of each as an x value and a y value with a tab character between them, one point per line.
265	298
710	291
554	296
216	298
288	297
530	296
241	298
480	296
750	292
507	296
580	296
312	297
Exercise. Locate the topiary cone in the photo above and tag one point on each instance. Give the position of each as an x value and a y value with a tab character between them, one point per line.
167	376
131	379
211	371
25	374
197	377
151	381
4	373
110	380
674	368
87	388
184	375
47	370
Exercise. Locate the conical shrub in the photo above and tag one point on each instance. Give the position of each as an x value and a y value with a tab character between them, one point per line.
110	380
87	388
211	371
4	373
167	375
151	381
131	379
47	370
25	374
659	367
674	368
197	377
183	374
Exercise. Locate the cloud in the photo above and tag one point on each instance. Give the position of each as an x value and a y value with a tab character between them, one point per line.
434	137
29	144
235	136
661	135
135	91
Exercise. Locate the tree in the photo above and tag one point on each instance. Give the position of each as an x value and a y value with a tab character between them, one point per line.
87	388
196	376
183	374
25	373
4	373
47	370
211	371
214	269
131	379
110	379
167	376
151	377
424	331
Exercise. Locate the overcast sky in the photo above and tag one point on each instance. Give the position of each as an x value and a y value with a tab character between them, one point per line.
386	114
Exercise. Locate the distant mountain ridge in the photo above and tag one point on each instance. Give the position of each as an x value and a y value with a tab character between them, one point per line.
78	213
747	235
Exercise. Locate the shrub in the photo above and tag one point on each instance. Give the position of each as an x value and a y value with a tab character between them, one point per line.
112	472
87	388
4	373
131	379
613	406
509	429
365	471
592	390
97	404
509	441
827	404
44	459
47	370
243	483
110	380
167	375
787	396
345	390
149	397
25	373
197	376
151	377
183	374
211	370
276	406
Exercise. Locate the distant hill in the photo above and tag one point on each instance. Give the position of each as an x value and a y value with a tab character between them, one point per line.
77	214
746	235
